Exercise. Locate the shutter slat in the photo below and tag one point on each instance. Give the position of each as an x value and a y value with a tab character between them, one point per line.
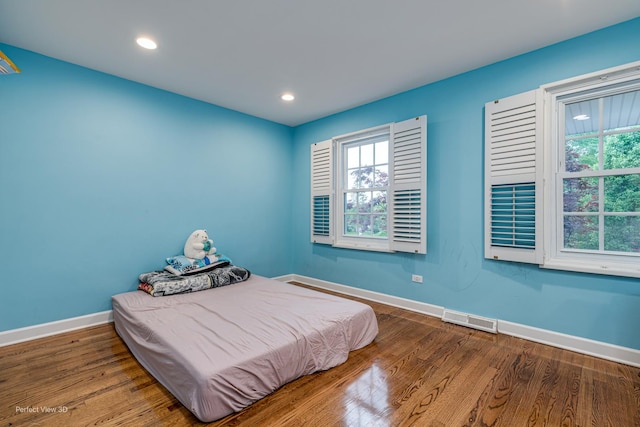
408	151
513	216
321	216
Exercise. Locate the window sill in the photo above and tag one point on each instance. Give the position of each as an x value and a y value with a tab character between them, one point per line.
362	246
611	269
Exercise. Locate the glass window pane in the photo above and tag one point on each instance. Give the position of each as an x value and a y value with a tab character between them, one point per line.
621	111
357	225
581	154
381	176
351	203
366	155
353	179
379	225
361	178
364	202
379	202
365	225
371	177
622	193
382	152
351	225
581	232
581	118
368	177
622	233
353	157
580	194
622	150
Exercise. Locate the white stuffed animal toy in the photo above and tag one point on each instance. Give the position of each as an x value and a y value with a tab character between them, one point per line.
199	245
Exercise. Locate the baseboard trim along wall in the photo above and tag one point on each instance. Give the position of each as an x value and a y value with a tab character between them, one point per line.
615	353
29	333
420	307
628	356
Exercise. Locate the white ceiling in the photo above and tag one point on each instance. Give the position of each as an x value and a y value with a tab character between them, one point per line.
332	54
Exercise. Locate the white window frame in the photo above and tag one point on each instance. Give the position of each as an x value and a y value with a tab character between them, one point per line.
406	192
340	145
555	95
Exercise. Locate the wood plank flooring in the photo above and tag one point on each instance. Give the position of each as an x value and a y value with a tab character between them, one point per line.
418	372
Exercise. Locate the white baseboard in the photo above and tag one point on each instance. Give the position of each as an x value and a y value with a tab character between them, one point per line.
28	333
285	278
417	306
615	353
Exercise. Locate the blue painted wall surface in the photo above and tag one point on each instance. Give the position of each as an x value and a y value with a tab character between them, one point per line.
603	308
103	178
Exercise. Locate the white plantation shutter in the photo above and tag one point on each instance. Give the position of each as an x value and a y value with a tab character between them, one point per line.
408	186
321	192
513	185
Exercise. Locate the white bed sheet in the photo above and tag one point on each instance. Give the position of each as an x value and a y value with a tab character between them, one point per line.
219	350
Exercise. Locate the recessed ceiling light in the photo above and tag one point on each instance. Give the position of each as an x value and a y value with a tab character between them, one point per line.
146	43
287	97
581	117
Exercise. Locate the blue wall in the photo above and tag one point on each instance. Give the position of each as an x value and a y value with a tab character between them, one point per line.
103	178
456	276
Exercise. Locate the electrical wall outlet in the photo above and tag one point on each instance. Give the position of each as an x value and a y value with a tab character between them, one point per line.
416	278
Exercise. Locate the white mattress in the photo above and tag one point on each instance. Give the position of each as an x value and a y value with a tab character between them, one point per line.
222	349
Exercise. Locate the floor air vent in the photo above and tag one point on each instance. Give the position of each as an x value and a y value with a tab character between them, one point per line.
470	320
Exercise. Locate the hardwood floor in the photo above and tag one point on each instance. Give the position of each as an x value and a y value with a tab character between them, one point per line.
418	372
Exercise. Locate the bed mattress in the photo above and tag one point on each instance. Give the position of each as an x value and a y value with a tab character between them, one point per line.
219	350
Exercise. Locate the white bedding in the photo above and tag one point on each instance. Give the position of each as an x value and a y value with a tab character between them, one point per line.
222	349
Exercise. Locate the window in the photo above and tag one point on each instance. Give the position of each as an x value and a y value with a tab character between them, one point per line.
595	175
369	189
364	182
581	138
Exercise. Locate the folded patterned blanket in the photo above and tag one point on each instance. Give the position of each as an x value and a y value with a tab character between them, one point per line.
161	283
180	265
